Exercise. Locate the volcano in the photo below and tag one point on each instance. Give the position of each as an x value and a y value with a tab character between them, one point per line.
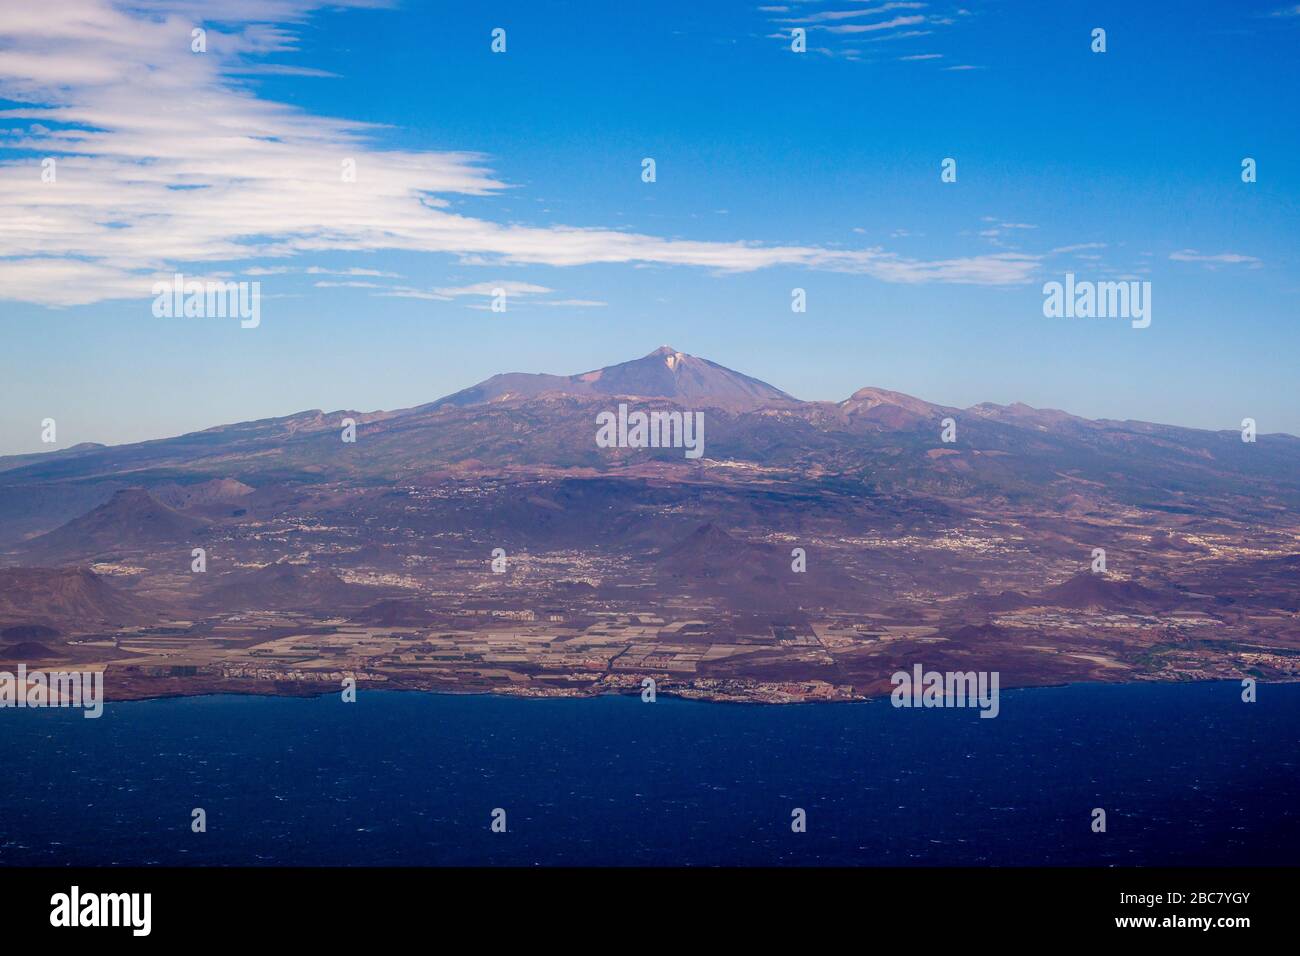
132	519
665	373
36	603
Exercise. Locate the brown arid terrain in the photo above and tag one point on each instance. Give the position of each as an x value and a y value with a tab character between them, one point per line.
487	543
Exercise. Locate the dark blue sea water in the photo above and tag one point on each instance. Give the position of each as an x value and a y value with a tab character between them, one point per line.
1188	774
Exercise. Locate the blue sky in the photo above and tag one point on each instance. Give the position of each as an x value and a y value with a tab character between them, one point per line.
775	170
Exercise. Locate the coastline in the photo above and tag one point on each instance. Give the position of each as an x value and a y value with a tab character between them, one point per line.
305	691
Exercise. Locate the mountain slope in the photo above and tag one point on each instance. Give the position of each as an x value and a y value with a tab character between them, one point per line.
131	519
664	373
33	600
287	585
880	441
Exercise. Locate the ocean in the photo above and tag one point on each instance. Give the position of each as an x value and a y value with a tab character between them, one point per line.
1187	774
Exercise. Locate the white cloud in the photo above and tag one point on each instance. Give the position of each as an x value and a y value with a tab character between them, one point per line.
873	27
166	160
1223	258
373	273
903	35
490	288
1077	247
833	15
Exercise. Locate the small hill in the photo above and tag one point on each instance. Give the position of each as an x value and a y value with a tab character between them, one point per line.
218	491
28	651
396	612
710	553
132	519
977	634
1096	591
29	632
287	586
35	603
1004	601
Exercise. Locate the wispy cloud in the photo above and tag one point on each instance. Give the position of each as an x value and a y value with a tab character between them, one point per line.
826	16
1222	258
350	284
510	287
166	160
1077	247
1000	225
840	22
901	35
491	288
873	27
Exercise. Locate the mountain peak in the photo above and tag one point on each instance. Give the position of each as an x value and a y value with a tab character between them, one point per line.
671	357
132	518
665	373
1018	413
881	403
